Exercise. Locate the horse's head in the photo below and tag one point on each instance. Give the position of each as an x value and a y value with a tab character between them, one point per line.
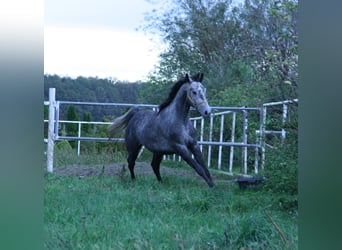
196	95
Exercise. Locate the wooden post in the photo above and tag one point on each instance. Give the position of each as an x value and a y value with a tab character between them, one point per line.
51	130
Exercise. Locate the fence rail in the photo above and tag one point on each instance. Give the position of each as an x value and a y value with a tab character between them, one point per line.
220	118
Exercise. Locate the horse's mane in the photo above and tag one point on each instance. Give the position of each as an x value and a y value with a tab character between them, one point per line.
176	87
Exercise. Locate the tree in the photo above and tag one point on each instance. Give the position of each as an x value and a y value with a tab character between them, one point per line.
72	128
253	43
86	127
197	36
272	42
91	89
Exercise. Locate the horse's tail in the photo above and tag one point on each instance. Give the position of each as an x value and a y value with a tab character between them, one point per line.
121	122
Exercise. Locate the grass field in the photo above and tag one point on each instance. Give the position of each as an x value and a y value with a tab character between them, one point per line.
112	212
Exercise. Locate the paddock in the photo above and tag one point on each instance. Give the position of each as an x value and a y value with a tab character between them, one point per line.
232	139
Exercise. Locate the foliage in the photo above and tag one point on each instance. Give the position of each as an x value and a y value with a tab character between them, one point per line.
281	170
241	95
91	90
253	43
63	146
281	165
46	117
86	127
72	128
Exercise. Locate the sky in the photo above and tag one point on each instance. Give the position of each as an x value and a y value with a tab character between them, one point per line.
98	38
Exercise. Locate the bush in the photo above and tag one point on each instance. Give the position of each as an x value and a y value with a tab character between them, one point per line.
281	171
64	146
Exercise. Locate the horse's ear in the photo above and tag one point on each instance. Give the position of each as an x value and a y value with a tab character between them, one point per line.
187	78
200	77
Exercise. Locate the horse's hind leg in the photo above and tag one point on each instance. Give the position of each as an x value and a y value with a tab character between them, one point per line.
132	156
157	158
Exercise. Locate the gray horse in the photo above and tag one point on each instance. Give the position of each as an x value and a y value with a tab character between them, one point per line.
168	131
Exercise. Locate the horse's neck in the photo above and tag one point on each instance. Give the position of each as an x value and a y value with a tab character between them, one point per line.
179	107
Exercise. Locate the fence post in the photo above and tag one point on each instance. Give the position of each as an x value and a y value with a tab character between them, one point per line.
210	138
231	155
259	140
263	136
201	134
283	133
79	142
51	129
221	140
244	138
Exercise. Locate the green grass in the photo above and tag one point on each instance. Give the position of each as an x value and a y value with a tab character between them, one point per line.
102	212
66	157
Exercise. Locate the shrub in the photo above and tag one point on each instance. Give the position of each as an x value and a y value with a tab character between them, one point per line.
281	171
64	146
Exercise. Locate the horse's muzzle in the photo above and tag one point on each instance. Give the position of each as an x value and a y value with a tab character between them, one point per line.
204	109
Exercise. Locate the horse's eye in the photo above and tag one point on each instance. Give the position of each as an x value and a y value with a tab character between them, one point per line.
194	92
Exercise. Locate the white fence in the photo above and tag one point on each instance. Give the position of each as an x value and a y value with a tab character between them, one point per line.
226	129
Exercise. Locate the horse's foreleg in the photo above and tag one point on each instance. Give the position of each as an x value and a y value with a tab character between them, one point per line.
202	171
157	158
195	150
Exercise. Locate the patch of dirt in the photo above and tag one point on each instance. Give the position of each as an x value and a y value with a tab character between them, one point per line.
120	168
